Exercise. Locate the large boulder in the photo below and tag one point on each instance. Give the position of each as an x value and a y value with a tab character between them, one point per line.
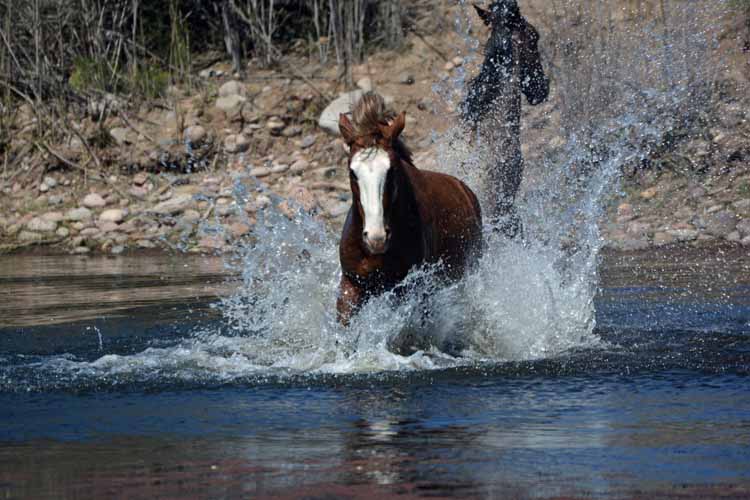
329	118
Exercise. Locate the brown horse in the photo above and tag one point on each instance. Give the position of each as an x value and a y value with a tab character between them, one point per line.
401	217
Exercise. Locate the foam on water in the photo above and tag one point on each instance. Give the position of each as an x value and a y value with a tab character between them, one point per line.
527	299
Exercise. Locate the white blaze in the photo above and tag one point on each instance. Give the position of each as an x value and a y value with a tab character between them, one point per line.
371	168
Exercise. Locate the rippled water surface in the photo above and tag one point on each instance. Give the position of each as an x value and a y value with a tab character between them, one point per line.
659	408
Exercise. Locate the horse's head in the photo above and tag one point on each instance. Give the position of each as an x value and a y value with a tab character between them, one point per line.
507	24
375	167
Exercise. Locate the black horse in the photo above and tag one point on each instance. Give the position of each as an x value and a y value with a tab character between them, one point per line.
512	65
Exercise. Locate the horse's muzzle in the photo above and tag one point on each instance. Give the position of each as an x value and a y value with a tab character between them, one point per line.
377	244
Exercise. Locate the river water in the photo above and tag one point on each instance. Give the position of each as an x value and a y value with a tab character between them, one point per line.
658	408
551	370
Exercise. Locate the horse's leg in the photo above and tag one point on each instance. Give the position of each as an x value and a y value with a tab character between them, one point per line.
506	180
350	299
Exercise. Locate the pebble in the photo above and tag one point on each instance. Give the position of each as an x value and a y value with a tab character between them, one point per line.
41	225
62	232
53	216
299	166
112	215
308	141
231	88
50	182
140	178
260	172
291	131
81	250
649	193
279	169
236	143
174	205
93	200
29	237
195	134
457	61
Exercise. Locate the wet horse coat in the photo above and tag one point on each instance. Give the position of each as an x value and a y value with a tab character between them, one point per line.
401	217
512	65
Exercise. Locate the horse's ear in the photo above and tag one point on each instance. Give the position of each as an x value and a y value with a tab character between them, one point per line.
484	14
347	129
394	129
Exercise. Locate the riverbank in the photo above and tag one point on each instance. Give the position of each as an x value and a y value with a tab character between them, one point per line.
192	171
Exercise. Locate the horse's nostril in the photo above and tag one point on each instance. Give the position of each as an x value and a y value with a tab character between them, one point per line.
364	233
387	231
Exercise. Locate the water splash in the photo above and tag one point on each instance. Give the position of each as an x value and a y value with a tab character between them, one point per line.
616	96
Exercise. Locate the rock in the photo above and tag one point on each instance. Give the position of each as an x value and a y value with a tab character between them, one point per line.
174	205
121	135
743	227
365	84
212	243
231	88
231	105
139	192
684	234
638	228
745	241
734	237
236	143
191	216
299	166
662	238
448	66
457	61
625	210
714	208
721	223
29	237
329	119
239	229
55	199
260	172
62	232
742	206
117	250
93	200
90	232
308	141
112	215
107	227
275	125
279	169
649	193
406	79
140	178
40	225
195	134
291	131
78	214
145	244
206	73
81	250
54	217
697	192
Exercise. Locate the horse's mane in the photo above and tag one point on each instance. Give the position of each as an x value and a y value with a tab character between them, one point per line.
368	114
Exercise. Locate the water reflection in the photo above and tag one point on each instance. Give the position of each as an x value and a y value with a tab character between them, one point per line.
40	290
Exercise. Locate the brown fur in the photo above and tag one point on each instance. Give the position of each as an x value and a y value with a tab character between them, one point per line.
432	216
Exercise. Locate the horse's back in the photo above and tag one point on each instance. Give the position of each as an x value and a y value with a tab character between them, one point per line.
452	209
